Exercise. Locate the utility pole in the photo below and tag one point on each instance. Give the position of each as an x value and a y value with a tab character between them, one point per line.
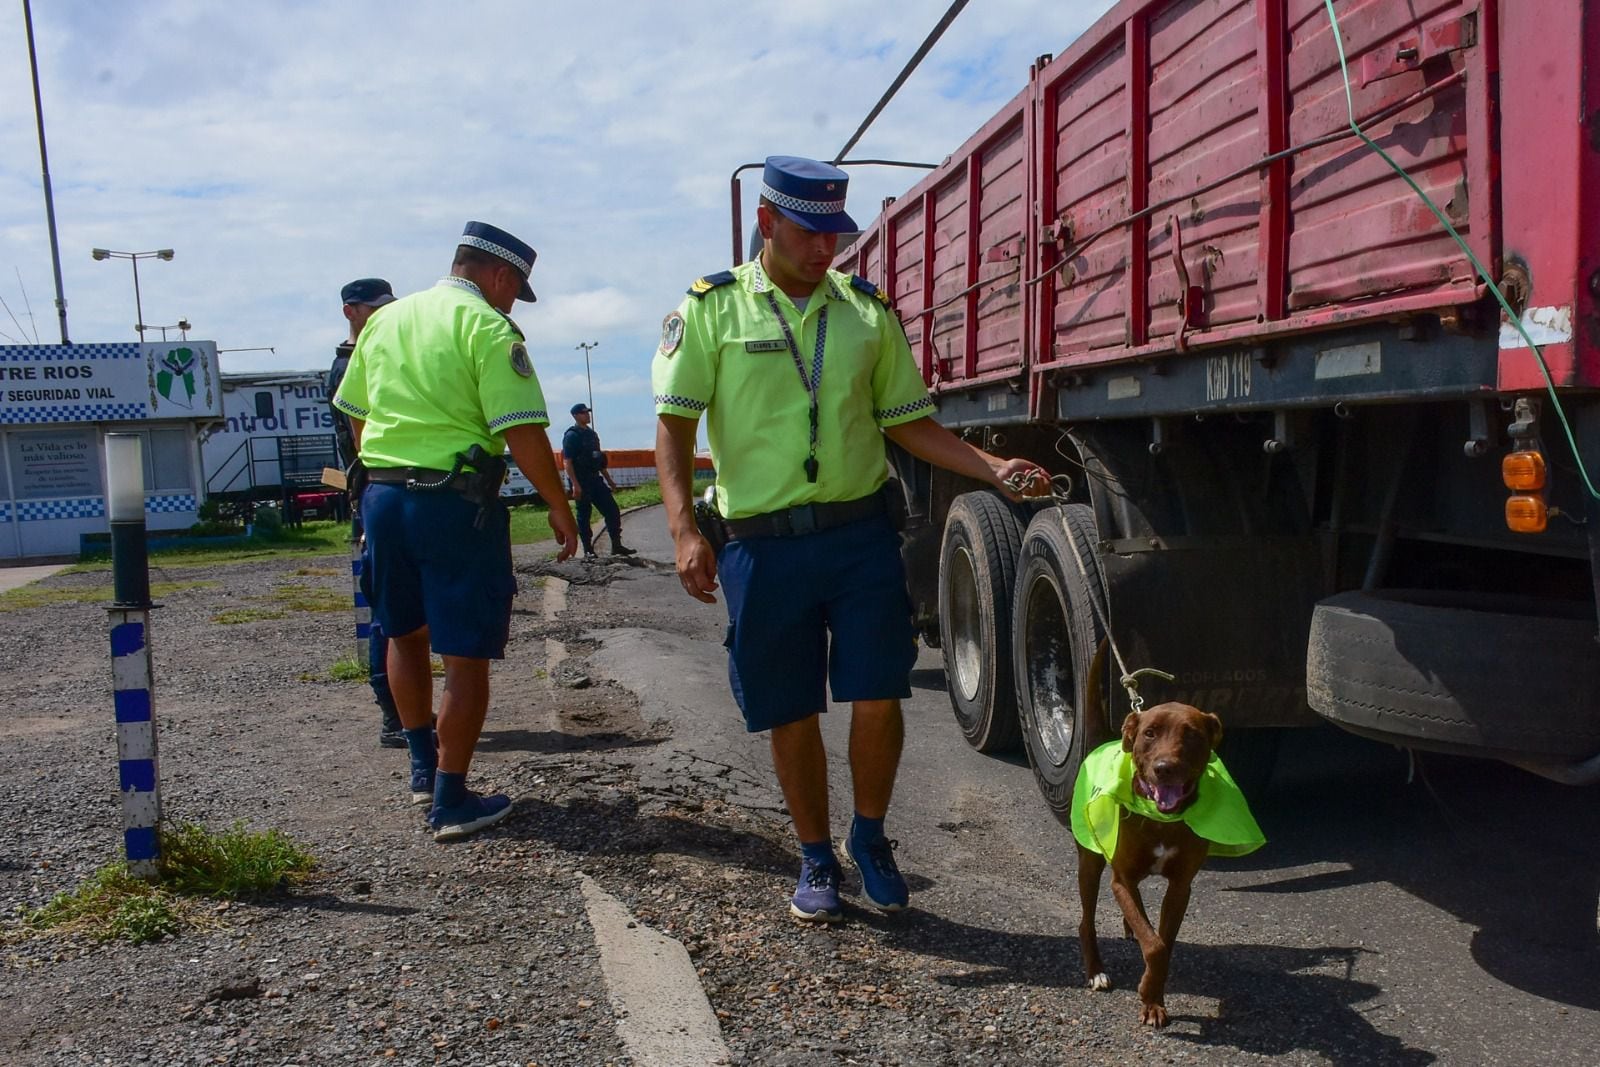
44	168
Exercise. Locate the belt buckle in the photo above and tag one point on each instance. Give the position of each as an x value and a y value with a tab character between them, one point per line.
802	520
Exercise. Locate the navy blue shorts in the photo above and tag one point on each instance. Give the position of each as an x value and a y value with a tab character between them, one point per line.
826	606
431	568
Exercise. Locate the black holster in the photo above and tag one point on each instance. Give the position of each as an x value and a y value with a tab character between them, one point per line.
711	526
355	483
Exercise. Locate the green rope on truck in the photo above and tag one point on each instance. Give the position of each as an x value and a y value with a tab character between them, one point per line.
1516	320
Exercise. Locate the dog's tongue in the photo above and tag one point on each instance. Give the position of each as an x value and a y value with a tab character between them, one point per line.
1168	797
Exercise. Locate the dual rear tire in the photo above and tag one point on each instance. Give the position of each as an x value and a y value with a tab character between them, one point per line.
1019	624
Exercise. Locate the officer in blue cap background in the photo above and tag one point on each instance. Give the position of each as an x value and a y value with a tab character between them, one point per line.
439	385
592	484
802	372
361	298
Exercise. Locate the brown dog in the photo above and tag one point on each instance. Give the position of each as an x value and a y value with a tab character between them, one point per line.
1171	744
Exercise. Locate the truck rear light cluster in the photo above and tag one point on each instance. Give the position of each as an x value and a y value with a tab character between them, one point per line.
1524	473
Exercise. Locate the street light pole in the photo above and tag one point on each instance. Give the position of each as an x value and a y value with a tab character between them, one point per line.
134	258
586	345
44	170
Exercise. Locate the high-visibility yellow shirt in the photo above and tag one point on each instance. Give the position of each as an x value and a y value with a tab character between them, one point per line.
435	373
723	353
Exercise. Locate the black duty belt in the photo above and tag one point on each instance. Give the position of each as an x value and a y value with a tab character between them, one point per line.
807	518
402	475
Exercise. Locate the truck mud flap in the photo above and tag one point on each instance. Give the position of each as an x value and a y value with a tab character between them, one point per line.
1227	617
1502	677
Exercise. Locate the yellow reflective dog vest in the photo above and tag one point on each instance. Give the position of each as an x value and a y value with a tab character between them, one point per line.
1104	789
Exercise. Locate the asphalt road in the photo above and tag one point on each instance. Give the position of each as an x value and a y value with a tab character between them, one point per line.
1403	912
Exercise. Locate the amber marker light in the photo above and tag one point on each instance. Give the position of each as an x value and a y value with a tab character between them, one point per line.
1523	471
1526	514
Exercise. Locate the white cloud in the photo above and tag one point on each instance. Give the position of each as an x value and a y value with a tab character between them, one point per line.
284	149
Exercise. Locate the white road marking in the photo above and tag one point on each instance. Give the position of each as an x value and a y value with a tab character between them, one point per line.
663	1016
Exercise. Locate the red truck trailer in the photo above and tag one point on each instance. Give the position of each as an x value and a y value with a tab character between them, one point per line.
1170	270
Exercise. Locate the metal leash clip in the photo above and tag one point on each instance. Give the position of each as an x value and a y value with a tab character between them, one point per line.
1022	480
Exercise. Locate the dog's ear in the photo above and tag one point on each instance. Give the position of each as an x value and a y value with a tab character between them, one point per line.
1213	729
1130	730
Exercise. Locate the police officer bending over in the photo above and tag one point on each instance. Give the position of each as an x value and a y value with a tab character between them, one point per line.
592	486
438	386
801	372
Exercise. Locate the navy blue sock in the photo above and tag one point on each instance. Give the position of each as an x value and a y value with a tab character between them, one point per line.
818	852
449	789
864	830
424	757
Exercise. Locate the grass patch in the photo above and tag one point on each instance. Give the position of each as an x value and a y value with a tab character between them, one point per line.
308	539
40	596
196	865
530	523
349	669
311	598
235	616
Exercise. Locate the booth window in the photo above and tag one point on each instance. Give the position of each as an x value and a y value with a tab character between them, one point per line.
166	461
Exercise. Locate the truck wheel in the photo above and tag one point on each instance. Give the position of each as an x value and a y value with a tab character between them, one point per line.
977	566
1057	619
1478	674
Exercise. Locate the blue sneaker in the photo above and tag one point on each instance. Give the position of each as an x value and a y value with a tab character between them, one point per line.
816	897
422	786
880	877
467	818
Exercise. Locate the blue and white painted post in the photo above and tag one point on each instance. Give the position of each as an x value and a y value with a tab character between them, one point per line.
131	681
363	610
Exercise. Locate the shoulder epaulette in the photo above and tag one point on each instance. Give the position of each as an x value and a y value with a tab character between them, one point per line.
870	288
704	285
512	323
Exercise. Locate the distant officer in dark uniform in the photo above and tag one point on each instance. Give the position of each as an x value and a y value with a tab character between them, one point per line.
361	298
592	485
438	387
801	372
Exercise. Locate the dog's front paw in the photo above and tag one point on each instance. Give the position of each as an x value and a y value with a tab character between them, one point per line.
1153	1014
1100	982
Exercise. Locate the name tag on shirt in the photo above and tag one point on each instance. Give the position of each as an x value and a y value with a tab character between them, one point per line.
777	345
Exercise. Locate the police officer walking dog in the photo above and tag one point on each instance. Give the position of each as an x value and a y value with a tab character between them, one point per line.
591	482
361	298
801	372
437	388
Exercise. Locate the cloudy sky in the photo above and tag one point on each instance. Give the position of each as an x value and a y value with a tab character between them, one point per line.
284	148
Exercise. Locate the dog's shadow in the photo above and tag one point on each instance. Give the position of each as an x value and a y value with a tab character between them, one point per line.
1255	987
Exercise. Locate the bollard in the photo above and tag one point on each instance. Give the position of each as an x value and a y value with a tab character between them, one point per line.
363	610
132	684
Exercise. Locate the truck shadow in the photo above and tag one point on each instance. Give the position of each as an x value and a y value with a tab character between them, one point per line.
1512	855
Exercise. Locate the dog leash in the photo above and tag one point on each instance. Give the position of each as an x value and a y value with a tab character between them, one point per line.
1060	491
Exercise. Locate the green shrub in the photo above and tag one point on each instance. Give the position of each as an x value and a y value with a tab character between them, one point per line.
268	524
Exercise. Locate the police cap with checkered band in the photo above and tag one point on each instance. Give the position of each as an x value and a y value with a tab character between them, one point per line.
808	192
497	242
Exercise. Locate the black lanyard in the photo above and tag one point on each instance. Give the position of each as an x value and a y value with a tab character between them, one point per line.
812	381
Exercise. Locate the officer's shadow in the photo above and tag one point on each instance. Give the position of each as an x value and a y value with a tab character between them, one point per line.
616	827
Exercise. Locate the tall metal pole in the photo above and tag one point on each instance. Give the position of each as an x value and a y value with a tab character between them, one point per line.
44	169
586	345
138	309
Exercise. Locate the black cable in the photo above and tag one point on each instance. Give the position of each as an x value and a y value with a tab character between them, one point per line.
883	102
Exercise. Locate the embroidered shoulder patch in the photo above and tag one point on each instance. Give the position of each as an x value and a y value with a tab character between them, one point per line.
671	334
519	359
702	286
870	288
